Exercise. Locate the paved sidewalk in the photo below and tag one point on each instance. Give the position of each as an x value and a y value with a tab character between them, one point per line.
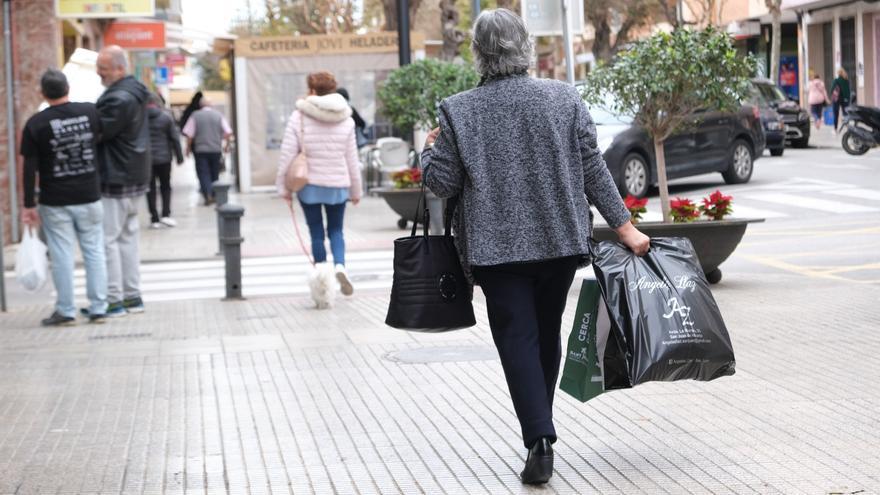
271	396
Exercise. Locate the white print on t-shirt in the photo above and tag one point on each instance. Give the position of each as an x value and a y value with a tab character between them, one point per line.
73	150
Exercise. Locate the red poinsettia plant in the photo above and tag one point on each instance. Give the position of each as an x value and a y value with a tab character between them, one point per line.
683	210
411	177
716	206
635	206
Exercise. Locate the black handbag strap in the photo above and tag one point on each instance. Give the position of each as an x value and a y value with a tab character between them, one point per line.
451	204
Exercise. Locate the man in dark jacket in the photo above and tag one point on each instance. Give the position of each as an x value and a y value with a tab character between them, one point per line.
125	168
164	139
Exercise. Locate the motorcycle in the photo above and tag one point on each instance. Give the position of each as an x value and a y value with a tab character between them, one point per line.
862	126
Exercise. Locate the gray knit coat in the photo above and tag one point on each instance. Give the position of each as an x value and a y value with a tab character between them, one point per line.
522	155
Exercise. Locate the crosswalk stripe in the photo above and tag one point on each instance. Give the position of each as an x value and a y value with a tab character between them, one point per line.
812	203
856	192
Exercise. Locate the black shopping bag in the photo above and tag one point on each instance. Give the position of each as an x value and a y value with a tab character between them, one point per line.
595	361
662	309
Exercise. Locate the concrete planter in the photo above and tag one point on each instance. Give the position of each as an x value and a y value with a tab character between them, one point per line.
404	202
714	241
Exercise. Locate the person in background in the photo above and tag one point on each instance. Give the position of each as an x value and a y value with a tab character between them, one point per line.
194	104
58	145
125	169
360	125
164	139
328	136
521	234
208	134
840	95
817	97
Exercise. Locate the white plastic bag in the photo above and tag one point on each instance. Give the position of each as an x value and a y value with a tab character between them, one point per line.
31	264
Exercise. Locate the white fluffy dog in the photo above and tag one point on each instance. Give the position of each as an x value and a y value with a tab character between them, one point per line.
323	285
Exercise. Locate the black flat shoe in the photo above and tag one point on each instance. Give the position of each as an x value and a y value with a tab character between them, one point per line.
539	464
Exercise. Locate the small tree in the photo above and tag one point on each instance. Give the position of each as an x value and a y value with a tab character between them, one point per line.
411	93
663	80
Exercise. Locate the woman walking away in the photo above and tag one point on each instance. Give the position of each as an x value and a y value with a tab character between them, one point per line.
840	95
164	140
522	155
322	125
818	98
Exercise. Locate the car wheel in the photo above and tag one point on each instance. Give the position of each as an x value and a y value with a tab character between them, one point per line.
801	143
853	145
634	177
777	152
741	163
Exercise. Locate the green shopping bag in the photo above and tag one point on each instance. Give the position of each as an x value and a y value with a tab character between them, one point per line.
582	376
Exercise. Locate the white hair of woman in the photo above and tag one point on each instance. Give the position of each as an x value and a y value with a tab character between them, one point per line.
501	44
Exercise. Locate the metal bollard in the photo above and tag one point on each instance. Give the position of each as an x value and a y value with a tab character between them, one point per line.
435	212
221	197
231	239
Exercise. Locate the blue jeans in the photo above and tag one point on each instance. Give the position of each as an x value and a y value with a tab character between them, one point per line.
64	226
315	220
208	171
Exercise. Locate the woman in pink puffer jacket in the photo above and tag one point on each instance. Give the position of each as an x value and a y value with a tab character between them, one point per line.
323	123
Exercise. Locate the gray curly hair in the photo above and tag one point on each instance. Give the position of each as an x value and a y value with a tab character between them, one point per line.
501	44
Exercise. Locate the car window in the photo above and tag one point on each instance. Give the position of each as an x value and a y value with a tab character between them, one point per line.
603	116
771	92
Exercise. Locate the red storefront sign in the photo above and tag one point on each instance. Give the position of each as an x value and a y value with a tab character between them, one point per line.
136	35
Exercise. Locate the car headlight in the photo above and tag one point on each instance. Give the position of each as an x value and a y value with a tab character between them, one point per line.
802	115
605	143
774	126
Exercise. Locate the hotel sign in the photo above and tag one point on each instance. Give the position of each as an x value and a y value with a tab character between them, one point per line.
321	44
104	8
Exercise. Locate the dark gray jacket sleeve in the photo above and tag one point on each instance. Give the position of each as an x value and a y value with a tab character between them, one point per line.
174	139
442	170
599	186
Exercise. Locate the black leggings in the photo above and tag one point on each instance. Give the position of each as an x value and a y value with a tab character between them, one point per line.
161	171
525	303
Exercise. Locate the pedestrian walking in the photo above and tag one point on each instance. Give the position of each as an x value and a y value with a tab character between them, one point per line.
164	140
360	125
194	104
58	145
322	125
817	98
208	134
521	153
840	95
125	170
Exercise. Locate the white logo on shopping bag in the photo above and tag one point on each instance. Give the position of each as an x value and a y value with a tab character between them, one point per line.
644	283
684	312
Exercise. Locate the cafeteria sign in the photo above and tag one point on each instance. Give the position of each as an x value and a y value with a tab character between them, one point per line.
320	44
104	8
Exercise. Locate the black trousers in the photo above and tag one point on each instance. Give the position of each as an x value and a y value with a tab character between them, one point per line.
162	172
839	105
525	303
208	171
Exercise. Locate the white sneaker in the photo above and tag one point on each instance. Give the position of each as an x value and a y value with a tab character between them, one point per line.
344	282
156	225
169	221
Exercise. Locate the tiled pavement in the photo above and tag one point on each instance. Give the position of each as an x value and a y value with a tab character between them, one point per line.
270	396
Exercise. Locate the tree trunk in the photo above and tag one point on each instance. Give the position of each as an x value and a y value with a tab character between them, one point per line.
452	36
660	156
389	7
776	46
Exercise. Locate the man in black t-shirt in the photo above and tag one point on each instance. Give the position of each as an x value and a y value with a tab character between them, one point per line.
58	145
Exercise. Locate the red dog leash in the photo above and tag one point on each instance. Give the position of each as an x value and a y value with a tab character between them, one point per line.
302	244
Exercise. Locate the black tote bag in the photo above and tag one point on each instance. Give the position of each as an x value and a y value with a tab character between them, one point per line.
429	292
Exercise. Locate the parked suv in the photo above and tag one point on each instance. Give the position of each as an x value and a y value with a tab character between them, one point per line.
728	143
796	119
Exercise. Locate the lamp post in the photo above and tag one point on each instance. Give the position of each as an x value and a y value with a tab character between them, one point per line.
403	32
